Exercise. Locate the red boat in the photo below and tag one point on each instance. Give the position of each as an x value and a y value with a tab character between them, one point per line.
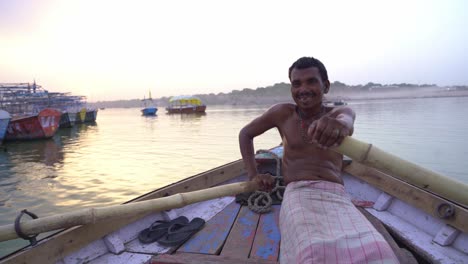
34	126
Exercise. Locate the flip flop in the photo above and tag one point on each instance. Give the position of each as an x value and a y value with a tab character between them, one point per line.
179	233
158	229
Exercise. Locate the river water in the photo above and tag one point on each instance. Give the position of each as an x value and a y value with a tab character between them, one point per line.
125	155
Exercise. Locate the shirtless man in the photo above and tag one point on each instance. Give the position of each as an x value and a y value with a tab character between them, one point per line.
318	222
308	129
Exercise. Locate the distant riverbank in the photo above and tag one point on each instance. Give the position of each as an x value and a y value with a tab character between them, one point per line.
281	93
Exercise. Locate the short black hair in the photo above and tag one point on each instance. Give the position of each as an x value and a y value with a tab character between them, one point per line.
307	62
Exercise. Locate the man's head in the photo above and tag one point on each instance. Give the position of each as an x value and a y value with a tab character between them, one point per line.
309	83
307	62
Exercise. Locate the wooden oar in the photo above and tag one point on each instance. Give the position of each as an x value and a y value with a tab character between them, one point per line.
93	215
371	156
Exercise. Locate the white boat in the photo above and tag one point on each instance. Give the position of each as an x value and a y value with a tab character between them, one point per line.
421	223
5	118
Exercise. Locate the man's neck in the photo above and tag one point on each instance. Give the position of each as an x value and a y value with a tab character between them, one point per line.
311	113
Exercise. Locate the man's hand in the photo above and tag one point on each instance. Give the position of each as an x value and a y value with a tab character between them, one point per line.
328	131
264	181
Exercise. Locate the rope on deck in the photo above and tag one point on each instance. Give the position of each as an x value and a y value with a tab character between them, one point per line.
260	202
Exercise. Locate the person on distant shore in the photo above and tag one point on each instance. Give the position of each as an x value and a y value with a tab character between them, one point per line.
318	222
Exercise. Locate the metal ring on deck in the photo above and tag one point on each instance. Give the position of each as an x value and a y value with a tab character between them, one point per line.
20	233
445	210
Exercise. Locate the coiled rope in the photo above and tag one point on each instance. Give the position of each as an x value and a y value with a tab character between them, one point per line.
260	202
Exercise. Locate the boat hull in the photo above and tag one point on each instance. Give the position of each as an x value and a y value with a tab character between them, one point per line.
149	111
80	116
39	126
90	116
186	109
67	119
4	121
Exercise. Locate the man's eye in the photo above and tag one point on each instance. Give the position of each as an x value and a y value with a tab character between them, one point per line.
296	84
312	81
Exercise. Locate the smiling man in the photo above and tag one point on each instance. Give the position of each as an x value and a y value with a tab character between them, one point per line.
318	222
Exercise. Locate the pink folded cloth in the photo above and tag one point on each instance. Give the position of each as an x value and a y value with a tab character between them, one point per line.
320	224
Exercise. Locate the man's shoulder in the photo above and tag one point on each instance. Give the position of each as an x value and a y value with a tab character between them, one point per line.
283	107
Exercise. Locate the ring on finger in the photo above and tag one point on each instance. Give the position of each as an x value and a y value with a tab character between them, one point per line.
336	132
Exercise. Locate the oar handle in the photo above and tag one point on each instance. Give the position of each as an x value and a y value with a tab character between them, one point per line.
94	215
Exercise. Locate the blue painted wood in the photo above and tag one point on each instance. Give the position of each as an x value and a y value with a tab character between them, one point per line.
211	238
241	237
267	239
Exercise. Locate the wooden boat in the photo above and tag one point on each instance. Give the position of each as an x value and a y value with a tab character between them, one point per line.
185	105
149	111
423	222
4	121
335	103
34	126
67	119
149	108
80	116
91	115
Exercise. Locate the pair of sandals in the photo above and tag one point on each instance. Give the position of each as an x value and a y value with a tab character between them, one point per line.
171	233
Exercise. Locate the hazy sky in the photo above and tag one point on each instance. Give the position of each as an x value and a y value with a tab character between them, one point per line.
109	49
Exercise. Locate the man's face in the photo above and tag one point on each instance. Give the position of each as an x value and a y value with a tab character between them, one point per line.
307	87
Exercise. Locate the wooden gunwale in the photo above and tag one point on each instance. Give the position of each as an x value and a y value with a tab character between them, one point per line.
419	198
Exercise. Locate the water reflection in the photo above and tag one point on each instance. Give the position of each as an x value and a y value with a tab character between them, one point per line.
44	152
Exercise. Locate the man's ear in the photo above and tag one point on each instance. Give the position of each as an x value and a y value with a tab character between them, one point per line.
326	84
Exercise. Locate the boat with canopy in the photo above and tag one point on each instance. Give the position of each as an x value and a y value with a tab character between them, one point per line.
185	104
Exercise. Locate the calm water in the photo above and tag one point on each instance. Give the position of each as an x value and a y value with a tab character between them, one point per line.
125	154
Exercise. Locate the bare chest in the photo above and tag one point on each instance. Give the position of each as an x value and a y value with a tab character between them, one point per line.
294	135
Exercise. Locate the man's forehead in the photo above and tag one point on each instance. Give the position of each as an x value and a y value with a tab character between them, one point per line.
305	73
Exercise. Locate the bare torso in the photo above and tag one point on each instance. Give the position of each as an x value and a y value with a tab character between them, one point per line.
303	160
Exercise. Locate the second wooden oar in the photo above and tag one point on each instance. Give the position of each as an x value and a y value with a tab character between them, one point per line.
372	156
93	215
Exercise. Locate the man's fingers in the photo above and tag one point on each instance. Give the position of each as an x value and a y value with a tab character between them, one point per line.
311	130
319	130
335	136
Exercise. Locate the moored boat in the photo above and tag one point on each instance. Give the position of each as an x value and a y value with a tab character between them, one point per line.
425	213
149	109
91	115
67	119
80	116
34	126
335	103
185	105
4	121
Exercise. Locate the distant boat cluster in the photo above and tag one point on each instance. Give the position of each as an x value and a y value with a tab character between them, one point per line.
183	104
27	111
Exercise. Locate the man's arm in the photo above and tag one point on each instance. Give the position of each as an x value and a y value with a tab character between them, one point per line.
247	134
331	129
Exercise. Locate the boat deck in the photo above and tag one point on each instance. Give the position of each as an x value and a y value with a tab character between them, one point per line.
234	235
238	235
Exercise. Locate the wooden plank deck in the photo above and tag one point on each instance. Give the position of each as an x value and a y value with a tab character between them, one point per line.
235	235
267	238
240	241
211	238
238	235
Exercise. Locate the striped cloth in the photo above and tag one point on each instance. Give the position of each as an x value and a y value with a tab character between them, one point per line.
319	224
